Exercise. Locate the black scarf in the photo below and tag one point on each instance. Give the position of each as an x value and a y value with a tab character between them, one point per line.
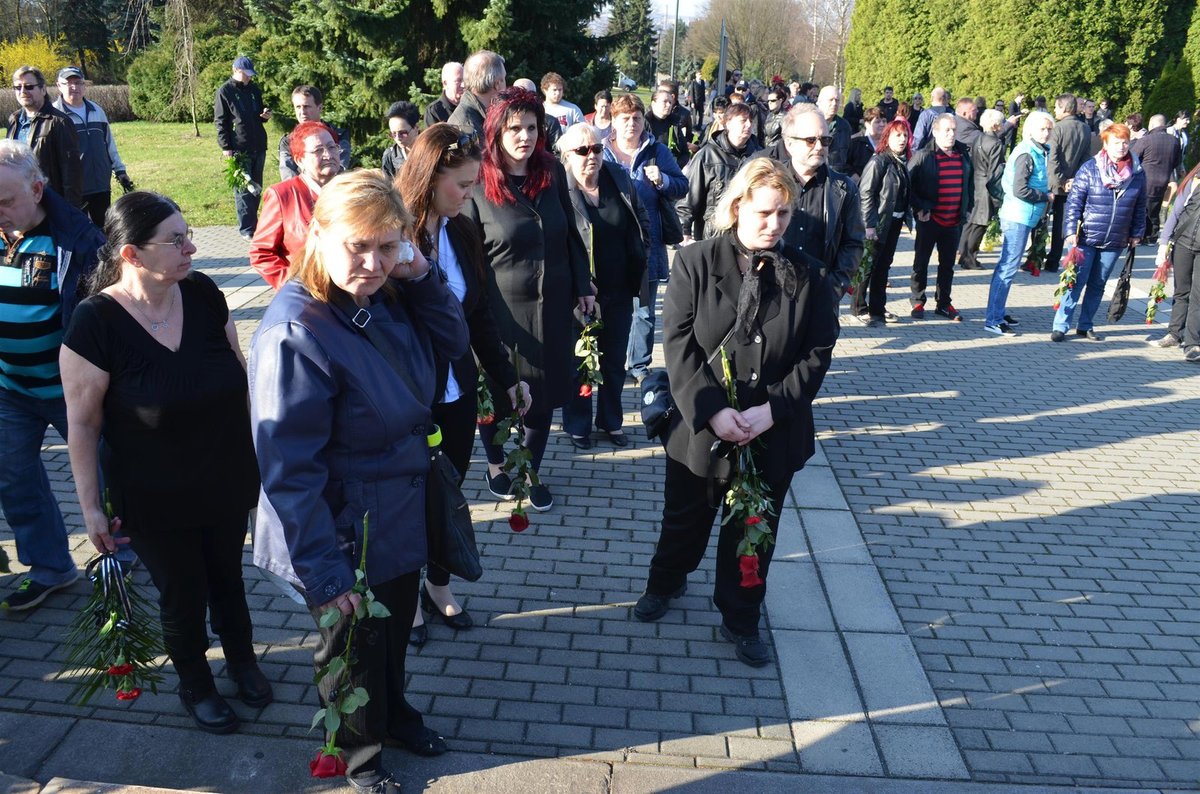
750	294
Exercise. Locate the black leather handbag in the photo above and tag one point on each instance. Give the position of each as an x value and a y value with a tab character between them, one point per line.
658	407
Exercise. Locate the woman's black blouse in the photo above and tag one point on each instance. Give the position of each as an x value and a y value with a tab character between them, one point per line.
176	451
610	227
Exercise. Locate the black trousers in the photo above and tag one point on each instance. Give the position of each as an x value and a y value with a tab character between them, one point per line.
1058	213
873	294
537	433
687	523
968	245
199	570
95	205
457	421
932	236
617	312
1154	200
1185	308
380	648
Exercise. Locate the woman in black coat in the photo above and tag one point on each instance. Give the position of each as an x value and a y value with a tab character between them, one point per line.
537	272
613	225
784	323
987	161
436	181
883	198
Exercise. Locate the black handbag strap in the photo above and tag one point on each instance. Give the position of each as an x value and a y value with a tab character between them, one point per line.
360	318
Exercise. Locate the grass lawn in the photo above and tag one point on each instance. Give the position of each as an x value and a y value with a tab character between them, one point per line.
170	159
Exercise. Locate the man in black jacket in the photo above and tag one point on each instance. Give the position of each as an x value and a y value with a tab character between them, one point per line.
940	192
1070	145
826	222
710	171
49	132
828	102
966	131
239	113
1161	158
452	91
484	78
697	96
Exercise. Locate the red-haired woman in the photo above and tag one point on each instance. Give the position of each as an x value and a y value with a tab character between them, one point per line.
883	198
537	271
287	206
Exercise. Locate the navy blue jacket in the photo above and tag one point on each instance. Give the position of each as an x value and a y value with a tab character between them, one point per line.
1104	218
77	242
339	435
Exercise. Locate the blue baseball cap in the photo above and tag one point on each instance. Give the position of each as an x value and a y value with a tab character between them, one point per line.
244	64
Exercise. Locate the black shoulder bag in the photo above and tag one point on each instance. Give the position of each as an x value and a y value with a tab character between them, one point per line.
449	532
658	407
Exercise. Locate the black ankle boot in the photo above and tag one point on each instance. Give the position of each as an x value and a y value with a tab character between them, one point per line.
253	688
210	711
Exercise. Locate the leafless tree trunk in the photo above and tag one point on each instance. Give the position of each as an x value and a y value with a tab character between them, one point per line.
178	20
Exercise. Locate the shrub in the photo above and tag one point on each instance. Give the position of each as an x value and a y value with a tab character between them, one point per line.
152	77
37	51
113	98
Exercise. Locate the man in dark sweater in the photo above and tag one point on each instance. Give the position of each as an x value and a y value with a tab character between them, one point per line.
1070	145
889	104
1161	158
239	113
940	179
452	91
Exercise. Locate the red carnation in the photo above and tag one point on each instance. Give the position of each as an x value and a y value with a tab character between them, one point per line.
752	520
518	522
748	563
585	390
131	694
327	764
486	420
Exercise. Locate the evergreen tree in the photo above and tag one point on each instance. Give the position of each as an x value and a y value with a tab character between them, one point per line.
632	25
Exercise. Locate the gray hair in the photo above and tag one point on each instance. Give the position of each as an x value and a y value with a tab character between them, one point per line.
483	72
1031	121
1065	104
18	155
942	119
578	134
990	120
798	110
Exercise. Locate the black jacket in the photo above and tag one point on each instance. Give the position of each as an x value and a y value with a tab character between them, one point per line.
861	152
1160	155
236	114
439	110
783	364
55	144
469	115
708	173
966	131
879	190
923	182
853	114
987	164
1070	144
839	151
636	242
844	232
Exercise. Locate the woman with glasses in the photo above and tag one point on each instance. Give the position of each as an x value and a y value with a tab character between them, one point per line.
402	118
1106	214
612	221
435	183
287	206
537	273
152	359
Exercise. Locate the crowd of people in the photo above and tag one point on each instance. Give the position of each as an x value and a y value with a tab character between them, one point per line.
498	223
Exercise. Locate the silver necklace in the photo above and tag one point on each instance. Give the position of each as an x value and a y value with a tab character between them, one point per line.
155	326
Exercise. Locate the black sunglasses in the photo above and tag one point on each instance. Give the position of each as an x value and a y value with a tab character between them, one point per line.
464	142
583	151
826	140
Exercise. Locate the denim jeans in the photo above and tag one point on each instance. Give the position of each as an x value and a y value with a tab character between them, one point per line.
1012	251
246	204
641	334
25	496
1092	275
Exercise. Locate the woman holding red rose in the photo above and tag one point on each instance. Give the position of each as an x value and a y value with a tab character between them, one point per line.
784	326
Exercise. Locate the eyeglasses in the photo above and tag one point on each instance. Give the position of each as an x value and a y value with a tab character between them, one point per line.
27	87
584	151
179	240
826	140
326	151
396	135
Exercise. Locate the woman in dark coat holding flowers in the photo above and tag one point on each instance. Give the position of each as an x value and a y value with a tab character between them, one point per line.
784	325
537	272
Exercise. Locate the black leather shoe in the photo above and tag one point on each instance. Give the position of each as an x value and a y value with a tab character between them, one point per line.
253	688
1090	335
581	442
651	607
211	712
1057	336
426	742
460	621
749	647
618	439
385	784
418	635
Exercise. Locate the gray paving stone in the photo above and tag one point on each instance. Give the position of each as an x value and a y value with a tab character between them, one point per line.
920	751
816	676
858	598
827	746
894	685
795	599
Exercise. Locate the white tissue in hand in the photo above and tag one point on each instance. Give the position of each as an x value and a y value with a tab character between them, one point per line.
405	254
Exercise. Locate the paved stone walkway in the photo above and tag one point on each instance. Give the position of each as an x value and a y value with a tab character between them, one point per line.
988	574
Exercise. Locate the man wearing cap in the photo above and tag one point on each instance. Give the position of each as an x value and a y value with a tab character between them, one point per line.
238	113
48	132
97	147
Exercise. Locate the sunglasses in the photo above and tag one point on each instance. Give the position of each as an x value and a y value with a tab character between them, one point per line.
398	134
584	151
26	87
464	144
826	140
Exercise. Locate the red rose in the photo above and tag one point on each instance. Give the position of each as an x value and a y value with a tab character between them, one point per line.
748	563
850	290
1056	305
131	694
1159	299
120	669
585	390
485	420
1149	321
517	522
751	521
327	764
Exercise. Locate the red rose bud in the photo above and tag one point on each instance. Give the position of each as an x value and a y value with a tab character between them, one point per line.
850	289
751	521
130	694
327	764
485	420
517	522
585	390
120	669
748	563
